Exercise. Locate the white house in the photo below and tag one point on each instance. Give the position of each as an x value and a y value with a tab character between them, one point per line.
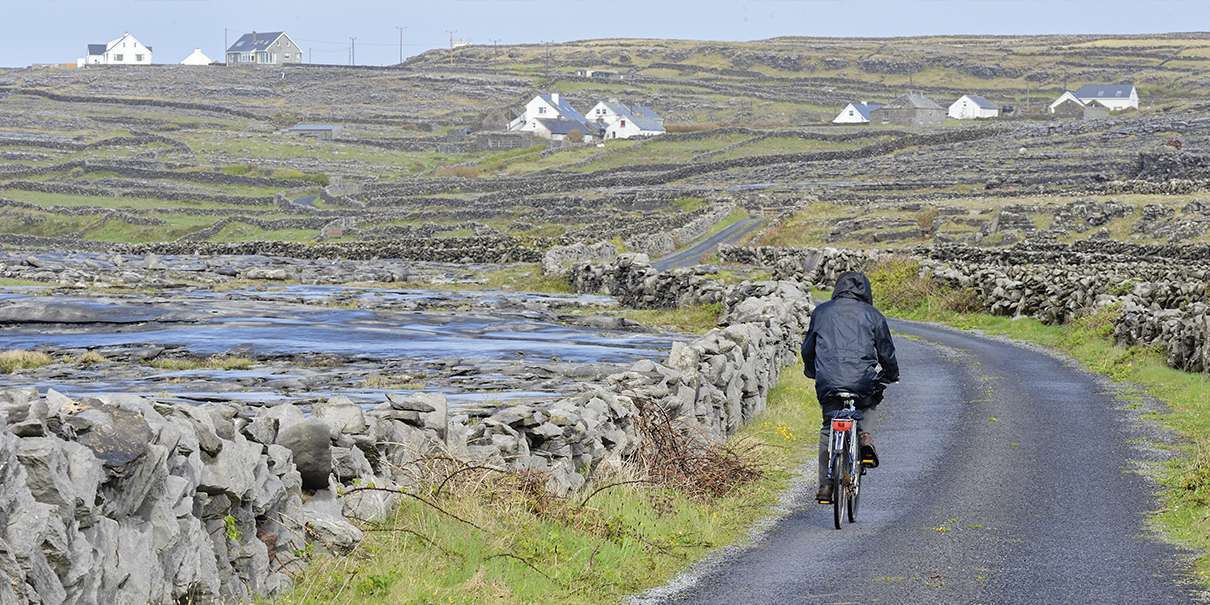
620	121
550	116
1114	96
197	57
856	113
125	50
973	107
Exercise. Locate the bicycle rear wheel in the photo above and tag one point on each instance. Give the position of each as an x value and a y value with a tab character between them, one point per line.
840	472
855	497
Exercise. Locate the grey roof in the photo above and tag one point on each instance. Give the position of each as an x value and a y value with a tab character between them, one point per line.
646	118
914	100
640	115
981	102
565	108
303	126
865	108
255	41
96	49
561	126
1105	91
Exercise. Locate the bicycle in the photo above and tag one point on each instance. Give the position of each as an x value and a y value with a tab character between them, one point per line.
845	466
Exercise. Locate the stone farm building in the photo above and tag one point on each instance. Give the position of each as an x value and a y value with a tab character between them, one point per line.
265	48
856	113
1115	97
973	107
621	121
125	50
912	109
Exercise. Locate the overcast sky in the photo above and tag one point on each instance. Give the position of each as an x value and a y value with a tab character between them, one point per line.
56	31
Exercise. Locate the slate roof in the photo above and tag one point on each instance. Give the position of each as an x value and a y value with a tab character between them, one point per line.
646	118
565	108
865	108
564	127
314	127
1105	91
96	49
981	102
247	43
640	115
912	100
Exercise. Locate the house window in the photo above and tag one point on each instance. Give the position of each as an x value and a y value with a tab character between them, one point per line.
541	110
138	58
117	57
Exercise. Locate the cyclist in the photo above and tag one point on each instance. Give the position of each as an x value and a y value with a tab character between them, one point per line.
848	348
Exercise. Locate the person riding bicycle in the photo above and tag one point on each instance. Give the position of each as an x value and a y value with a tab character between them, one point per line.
848	349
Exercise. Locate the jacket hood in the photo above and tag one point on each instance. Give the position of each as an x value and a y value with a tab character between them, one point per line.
853	285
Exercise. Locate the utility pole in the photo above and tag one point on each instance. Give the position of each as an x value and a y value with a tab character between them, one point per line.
352	50
547	45
225	45
451	32
401	29
310	55
496	47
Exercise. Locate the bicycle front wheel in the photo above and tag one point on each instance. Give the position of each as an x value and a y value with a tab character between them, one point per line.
840	475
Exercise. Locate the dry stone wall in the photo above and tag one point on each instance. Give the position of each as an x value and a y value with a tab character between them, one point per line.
124	500
1160	291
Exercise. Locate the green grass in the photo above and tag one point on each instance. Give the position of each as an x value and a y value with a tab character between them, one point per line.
696	319
1185	515
7	281
533	549
216	362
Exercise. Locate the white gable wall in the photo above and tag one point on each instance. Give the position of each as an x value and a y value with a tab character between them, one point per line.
126	50
850	115
966	109
1066	96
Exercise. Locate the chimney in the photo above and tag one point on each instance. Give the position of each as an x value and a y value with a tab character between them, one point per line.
554	98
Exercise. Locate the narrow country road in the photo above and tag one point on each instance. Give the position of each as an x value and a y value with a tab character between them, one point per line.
1007	477
693	254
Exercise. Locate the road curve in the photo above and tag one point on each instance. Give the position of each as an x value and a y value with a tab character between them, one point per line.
1007	477
693	254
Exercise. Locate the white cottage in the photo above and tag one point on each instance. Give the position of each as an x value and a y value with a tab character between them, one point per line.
197	57
621	121
550	116
973	107
856	113
125	50
1116	97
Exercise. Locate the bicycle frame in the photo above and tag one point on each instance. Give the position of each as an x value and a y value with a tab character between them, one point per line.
843	438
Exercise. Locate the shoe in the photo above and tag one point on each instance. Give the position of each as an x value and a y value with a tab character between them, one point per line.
869	456
824	495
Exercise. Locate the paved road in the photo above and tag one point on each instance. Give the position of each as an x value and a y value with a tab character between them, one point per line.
693	254
1006	479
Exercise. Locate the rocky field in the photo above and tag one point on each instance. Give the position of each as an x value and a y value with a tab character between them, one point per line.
217	337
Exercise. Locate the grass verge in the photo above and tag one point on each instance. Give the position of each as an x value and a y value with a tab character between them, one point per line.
1185	480
531	548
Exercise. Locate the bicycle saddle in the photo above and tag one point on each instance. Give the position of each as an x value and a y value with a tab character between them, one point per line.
842	414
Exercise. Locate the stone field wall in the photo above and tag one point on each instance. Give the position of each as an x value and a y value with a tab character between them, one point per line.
119	499
1160	290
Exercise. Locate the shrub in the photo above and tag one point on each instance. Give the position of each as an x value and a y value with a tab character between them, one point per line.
926	220
898	285
575	136
11	361
89	358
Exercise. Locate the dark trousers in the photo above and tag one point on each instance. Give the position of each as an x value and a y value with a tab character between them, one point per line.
825	433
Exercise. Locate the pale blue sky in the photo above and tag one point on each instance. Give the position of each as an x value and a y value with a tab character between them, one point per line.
46	31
